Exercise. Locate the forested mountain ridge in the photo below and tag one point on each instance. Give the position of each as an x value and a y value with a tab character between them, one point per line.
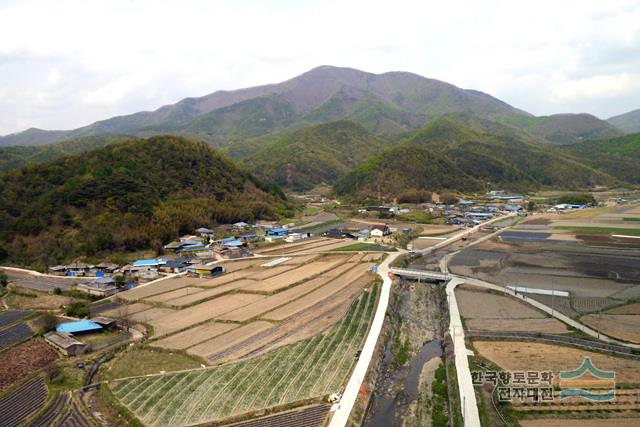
126	196
449	155
627	122
319	154
383	103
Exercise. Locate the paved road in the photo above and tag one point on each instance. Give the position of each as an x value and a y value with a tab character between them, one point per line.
569	321
465	382
342	410
344	407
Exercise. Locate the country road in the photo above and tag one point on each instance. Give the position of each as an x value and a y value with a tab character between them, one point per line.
342	410
554	313
344	407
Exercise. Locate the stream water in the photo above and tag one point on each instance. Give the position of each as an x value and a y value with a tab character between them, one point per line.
400	387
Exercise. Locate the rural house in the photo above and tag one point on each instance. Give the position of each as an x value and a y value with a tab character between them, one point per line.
66	343
380	230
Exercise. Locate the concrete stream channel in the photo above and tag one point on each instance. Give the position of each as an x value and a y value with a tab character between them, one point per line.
413	340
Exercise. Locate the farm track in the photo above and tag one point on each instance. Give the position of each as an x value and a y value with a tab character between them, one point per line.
22	402
221	392
576	342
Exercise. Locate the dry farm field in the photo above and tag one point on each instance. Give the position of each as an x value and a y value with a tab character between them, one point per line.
532	356
251	310
479	304
546	325
625	309
625	327
306	371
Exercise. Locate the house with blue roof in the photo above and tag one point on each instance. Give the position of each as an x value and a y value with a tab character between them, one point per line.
78	327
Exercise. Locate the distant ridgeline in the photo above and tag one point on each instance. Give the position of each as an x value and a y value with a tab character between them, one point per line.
125	196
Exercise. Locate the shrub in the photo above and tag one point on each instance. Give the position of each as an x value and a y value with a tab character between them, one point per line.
77	309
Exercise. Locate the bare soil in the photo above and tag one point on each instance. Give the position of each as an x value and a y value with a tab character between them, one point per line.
182	319
484	305
195	335
167	285
312	298
622	326
594	422
524	356
228	339
209	293
546	325
626	309
22	360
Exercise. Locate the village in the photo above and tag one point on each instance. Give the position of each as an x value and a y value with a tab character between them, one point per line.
230	293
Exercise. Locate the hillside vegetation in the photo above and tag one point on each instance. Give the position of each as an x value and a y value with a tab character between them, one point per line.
627	122
385	103
18	156
316	155
124	197
566	128
620	157
450	155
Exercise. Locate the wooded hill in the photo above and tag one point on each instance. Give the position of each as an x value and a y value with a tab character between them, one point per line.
126	196
474	157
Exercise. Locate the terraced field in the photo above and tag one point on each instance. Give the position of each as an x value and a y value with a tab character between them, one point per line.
9	316
308	369
14	335
22	402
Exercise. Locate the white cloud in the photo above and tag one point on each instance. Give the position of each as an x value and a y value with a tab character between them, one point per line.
106	57
600	86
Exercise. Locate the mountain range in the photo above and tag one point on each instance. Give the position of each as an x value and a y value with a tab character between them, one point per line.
135	182
385	104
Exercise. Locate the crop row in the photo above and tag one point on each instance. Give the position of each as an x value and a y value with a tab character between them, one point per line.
14	334
22	402
310	368
10	316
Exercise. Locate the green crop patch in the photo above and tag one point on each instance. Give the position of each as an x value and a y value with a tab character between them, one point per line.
308	369
601	230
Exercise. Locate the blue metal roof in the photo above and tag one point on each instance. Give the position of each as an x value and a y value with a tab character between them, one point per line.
277	230
234	243
149	262
79	326
228	239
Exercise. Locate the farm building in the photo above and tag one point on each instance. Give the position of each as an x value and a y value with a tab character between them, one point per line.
295	236
146	265
73	269
78	327
335	233
206	270
106	322
380	230
106	267
277	231
176	265
102	286
389	209
248	237
66	343
205	232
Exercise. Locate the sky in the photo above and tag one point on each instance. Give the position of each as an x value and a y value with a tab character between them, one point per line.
65	63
